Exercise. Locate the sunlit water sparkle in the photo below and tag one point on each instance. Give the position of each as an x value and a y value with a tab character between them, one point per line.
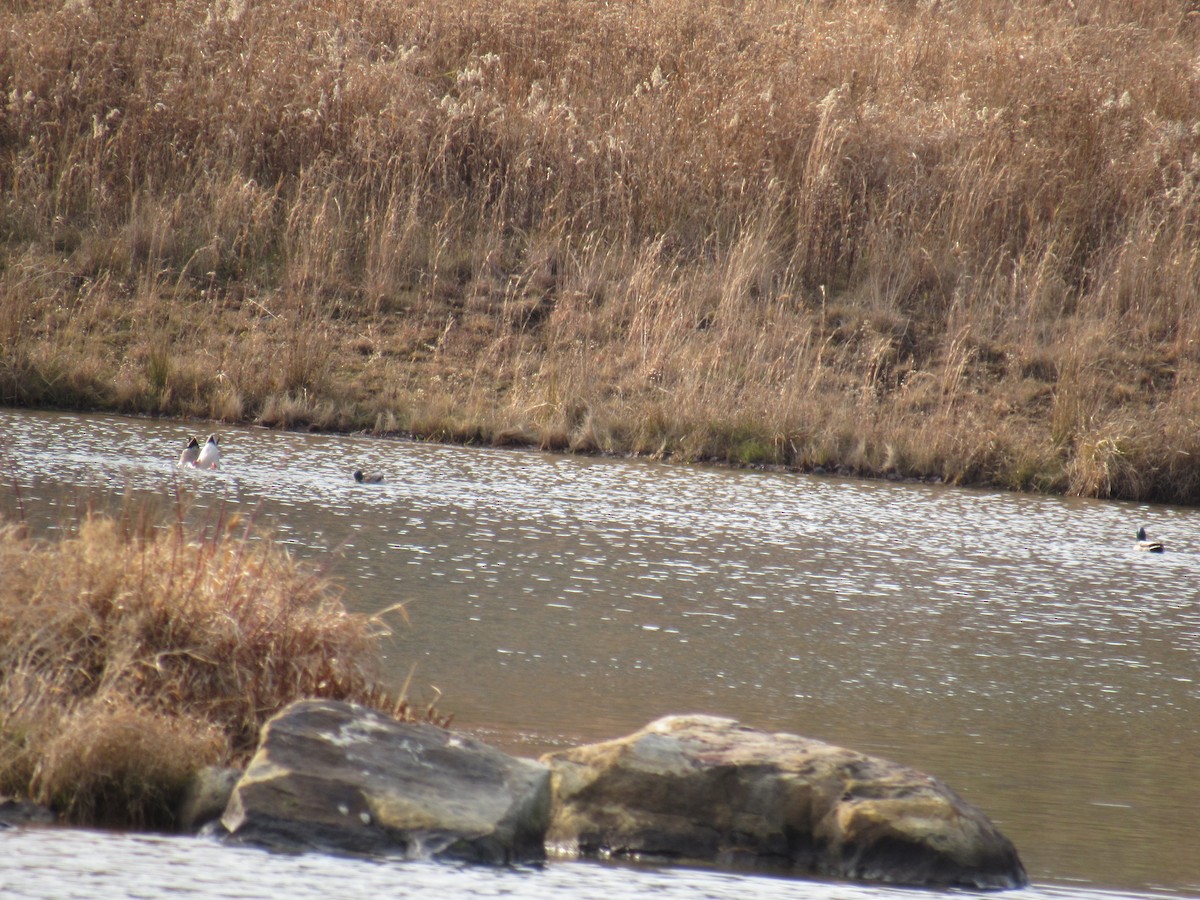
1019	647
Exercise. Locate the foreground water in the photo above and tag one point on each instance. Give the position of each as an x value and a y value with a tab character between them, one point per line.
1020	648
82	865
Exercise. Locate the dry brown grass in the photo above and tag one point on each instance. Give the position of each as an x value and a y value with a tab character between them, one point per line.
947	239
131	656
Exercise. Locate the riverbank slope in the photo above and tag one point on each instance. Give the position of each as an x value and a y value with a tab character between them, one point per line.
922	239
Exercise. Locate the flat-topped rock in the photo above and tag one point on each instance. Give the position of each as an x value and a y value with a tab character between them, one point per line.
340	777
16	811
700	788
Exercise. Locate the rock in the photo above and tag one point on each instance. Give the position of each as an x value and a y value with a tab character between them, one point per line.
206	796
23	812
705	789
339	777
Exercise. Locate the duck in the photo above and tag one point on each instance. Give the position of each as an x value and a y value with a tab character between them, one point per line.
367	477
210	454
190	453
1148	545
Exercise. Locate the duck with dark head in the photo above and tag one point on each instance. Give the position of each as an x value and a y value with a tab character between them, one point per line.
210	454
1148	545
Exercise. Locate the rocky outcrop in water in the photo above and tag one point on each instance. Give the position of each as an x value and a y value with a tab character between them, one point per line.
701	788
206	797
14	811
339	777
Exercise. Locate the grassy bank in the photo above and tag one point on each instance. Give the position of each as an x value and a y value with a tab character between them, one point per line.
131	656
934	239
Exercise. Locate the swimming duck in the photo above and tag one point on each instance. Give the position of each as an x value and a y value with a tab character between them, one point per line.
367	478
210	455
190	453
1148	545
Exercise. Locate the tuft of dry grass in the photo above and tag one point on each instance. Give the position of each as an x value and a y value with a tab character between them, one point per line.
928	239
132	655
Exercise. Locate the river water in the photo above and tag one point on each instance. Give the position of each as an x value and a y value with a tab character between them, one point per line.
1020	648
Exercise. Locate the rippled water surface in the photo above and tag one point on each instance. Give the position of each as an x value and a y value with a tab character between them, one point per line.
1020	648
81	865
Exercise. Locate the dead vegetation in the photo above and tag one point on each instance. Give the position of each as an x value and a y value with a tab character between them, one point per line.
132	655
953	240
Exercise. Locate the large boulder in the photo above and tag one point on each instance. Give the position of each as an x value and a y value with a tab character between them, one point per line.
699	788
206	797
14	811
339	777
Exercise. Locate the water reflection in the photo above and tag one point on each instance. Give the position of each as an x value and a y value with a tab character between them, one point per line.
1021	648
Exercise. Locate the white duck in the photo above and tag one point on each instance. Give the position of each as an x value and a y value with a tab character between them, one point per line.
190	453
210	455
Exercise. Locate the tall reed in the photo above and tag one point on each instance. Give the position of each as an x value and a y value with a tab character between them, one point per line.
947	240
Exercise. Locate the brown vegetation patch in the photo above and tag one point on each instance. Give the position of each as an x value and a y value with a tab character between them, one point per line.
797	234
130	656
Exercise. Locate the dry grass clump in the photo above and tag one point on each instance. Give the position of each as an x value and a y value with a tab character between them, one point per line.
940	239
131	656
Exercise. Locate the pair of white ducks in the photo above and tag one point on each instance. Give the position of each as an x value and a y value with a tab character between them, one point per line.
196	457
